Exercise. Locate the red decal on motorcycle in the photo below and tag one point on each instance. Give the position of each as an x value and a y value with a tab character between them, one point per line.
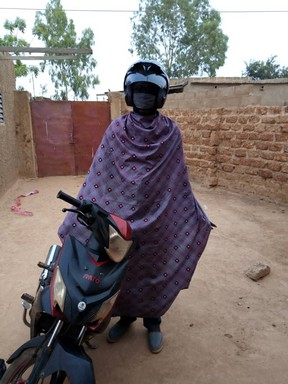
95	279
123	226
98	263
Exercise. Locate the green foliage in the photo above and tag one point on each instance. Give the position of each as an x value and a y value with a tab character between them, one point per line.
260	70
184	35
69	76
11	39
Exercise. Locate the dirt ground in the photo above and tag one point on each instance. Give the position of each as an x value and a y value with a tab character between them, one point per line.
225	329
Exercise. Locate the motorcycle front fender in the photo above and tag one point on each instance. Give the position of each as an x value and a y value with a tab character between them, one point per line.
32	343
73	360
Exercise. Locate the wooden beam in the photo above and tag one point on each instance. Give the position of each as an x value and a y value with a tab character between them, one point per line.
80	51
50	57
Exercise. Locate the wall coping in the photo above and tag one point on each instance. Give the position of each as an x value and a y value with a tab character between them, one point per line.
226	80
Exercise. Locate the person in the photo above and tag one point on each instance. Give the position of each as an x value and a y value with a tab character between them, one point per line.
139	173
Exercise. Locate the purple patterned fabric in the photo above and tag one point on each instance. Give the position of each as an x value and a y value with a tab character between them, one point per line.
139	173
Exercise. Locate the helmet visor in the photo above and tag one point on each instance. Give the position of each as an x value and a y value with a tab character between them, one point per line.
152	78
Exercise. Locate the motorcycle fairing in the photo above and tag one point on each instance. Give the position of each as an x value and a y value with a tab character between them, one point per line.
40	309
122	226
90	277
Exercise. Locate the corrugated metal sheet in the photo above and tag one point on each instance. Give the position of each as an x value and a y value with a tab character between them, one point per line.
90	120
67	134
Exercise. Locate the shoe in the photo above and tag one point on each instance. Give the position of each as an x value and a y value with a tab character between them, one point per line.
155	341
117	331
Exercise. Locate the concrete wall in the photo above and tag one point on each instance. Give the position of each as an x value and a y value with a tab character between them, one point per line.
228	92
8	143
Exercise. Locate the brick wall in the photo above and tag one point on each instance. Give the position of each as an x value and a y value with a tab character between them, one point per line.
242	149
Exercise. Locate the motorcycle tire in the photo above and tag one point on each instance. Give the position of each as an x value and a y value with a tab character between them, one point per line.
19	370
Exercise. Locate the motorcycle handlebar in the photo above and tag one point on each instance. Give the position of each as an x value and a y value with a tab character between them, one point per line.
69	199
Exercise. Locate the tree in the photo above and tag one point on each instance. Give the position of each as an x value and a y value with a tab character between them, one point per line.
184	35
68	76
11	39
260	70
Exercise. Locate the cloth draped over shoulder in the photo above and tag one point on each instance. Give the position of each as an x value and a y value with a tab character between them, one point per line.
139	173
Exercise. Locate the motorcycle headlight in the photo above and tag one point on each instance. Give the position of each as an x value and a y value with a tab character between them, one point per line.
59	290
106	307
118	246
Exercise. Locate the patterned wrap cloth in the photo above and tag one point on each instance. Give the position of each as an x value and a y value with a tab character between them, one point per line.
139	173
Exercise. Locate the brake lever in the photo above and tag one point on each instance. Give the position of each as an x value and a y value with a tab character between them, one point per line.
84	214
69	210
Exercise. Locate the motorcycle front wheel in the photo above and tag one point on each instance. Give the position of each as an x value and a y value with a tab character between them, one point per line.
20	370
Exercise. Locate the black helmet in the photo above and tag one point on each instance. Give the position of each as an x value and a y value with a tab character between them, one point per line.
151	76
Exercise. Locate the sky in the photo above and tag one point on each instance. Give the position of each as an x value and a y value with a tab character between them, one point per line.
257	30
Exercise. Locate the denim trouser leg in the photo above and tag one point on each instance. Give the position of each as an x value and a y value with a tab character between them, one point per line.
127	319
152	323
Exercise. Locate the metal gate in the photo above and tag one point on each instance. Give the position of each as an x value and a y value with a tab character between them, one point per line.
67	134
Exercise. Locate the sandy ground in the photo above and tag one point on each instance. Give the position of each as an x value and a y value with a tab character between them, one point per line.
226	329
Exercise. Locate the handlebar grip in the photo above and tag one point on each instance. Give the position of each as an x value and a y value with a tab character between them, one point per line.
69	199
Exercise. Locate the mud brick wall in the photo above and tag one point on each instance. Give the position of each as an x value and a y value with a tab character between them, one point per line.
9	160
242	149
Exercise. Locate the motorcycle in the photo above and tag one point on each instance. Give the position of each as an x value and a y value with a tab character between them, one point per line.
77	290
